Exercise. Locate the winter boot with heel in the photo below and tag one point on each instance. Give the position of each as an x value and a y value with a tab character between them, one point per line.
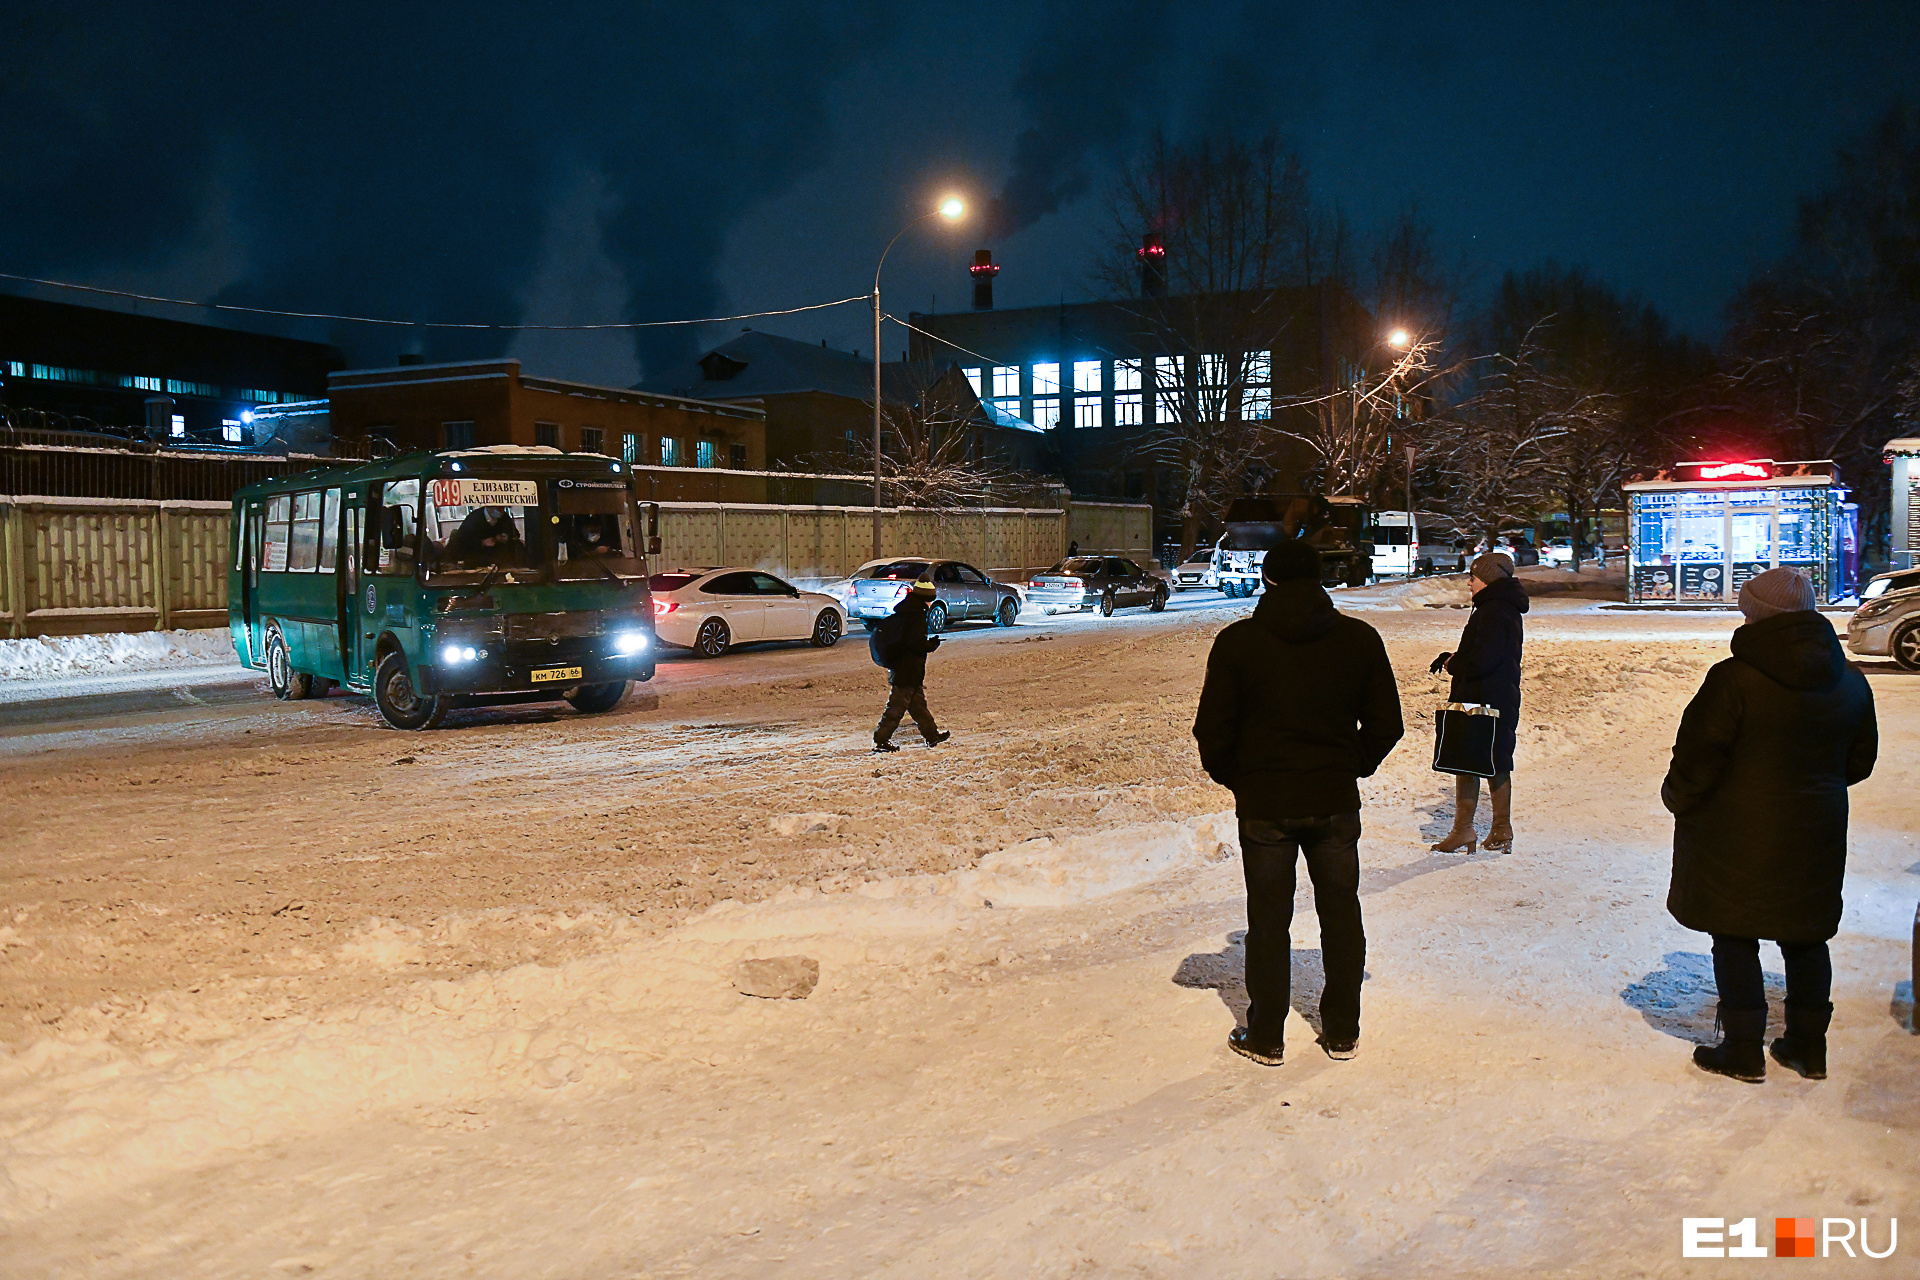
1739	1054
1466	798
1500	834
1804	1047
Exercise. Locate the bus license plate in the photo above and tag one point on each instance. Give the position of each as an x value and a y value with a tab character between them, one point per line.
556	673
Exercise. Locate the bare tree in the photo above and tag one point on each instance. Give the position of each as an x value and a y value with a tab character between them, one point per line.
1212	298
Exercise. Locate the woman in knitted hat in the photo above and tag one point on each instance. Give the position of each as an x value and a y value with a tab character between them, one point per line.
1758	790
1486	669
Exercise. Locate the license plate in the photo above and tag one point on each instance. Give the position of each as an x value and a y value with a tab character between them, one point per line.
556	673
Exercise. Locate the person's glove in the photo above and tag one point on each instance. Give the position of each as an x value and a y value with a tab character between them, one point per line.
1440	663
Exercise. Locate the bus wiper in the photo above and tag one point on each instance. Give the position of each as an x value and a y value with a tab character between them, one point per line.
615	578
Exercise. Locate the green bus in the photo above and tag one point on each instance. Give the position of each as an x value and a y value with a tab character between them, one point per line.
470	577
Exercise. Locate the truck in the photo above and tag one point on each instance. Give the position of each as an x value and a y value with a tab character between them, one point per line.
1254	526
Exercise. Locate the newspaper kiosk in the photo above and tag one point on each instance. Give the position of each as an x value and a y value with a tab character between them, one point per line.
1696	533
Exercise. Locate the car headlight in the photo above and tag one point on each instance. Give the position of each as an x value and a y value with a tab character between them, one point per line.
455	654
1868	612
630	642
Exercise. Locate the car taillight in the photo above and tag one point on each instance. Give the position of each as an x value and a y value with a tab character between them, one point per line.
902	589
1036	585
1072	582
661	608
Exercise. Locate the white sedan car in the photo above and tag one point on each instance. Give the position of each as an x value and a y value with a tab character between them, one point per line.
711	610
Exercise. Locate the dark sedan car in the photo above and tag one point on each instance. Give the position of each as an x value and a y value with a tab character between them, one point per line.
960	593
1105	583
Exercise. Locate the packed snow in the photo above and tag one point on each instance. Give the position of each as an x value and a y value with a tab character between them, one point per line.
58	657
287	993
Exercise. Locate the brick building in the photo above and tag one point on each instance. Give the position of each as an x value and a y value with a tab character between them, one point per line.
457	406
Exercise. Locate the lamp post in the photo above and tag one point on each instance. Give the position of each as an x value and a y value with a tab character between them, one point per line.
952	209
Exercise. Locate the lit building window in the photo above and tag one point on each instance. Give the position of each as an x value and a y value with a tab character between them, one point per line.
1046	412
974	381
1126	375
706	454
179	425
1259	369
1046	379
1256	404
1086	375
669	451
15	369
1213	371
1126	409
230	430
1086	412
1006	382
630	446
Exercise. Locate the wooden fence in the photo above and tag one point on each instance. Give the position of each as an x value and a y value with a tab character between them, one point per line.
78	565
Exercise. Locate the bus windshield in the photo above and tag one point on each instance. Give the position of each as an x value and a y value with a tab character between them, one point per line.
521	530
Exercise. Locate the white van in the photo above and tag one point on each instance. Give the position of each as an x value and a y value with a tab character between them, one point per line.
1396	543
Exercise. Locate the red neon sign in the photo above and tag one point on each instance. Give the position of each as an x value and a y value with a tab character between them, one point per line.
1735	471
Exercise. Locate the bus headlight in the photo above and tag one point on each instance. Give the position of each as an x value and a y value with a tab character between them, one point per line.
629	642
455	654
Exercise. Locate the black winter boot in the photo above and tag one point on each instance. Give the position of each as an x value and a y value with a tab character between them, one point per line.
1804	1047
1739	1053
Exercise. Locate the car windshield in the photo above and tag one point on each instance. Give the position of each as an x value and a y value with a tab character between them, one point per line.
520	529
1200	557
661	583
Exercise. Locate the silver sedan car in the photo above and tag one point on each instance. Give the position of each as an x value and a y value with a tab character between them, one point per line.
961	593
1887	625
1105	583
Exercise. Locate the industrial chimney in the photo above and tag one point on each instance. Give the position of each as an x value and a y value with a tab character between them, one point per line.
983	272
1153	265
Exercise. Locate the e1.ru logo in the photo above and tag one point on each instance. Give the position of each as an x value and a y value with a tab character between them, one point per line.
1792	1238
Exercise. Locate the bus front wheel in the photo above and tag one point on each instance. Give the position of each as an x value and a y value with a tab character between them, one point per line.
595	698
401	705
285	682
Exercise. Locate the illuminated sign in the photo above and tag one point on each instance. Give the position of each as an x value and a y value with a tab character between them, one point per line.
498	493
1734	471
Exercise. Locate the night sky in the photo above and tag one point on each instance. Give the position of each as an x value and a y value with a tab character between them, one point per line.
590	162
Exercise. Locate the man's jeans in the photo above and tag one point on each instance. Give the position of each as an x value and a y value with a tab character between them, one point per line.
1268	852
906	699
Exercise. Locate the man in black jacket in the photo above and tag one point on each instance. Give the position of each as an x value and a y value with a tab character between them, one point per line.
1300	702
907	670
1758	790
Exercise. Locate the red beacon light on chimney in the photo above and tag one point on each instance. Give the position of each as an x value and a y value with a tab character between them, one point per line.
983	265
1151	246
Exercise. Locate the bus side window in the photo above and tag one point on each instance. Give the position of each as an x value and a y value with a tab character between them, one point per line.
273	558
352	550
398	527
330	531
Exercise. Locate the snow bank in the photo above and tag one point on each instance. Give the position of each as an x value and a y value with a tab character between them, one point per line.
81	1114
57	657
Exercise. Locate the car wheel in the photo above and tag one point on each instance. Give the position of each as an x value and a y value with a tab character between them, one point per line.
826	630
401	705
1106	605
1906	646
285	682
1008	613
936	618
595	698
1159	600
713	639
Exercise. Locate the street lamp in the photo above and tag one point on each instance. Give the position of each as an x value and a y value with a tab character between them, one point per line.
952	209
1400	338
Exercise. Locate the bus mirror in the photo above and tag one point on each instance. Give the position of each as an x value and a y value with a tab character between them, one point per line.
390	520
653	545
652	512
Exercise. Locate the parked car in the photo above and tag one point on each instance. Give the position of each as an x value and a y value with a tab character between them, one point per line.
841	589
961	593
1558	551
1881	583
1888	625
1105	583
1197	572
711	610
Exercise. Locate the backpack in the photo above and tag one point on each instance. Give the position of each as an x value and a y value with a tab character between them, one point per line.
882	639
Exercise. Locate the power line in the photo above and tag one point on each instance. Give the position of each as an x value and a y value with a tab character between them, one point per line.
937	338
425	324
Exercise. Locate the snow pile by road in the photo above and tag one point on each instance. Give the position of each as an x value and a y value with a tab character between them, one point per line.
79	1111
57	657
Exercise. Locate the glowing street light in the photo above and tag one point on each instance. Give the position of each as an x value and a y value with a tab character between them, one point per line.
953	208
1400	338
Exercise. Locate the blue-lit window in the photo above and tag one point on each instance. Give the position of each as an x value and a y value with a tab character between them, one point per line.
705	454
1256	404
669	451
15	369
1046	412
1046	379
1126	375
231	430
1006	381
974	380
1126	409
630	446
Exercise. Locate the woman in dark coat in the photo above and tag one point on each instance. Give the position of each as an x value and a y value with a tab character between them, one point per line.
1486	669
1758	790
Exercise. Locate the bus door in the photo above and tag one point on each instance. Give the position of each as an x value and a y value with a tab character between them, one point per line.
250	521
348	604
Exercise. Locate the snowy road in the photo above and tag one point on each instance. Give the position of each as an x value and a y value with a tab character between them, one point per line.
285	992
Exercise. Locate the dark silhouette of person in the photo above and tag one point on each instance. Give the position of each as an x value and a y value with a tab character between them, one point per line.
488	535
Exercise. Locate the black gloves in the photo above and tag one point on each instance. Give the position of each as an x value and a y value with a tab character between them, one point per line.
1440	663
